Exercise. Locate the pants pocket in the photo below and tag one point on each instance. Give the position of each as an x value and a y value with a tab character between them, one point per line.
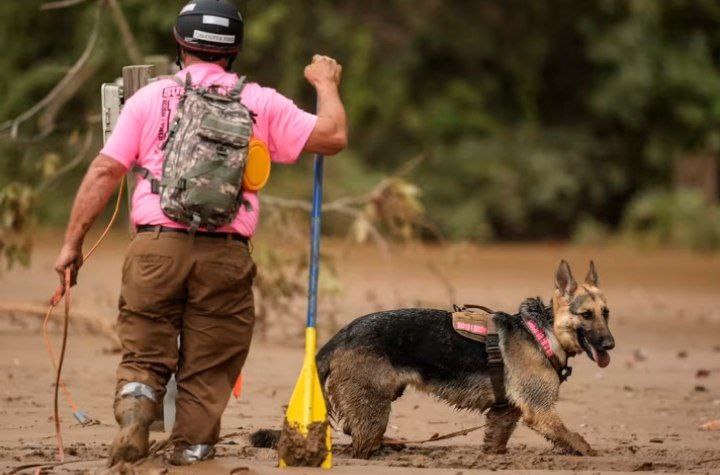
149	284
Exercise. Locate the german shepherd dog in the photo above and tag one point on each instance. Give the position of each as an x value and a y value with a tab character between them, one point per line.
368	364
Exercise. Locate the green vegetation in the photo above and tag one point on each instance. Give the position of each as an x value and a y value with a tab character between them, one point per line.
537	119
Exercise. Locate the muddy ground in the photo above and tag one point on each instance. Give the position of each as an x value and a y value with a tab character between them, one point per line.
642	413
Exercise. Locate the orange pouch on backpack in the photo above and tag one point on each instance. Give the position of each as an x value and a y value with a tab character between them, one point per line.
257	168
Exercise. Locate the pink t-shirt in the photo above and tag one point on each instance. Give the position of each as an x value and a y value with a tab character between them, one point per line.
146	117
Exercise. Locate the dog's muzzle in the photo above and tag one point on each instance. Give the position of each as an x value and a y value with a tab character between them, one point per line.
598	352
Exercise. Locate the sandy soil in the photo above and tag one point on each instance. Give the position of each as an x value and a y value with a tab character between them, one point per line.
642	413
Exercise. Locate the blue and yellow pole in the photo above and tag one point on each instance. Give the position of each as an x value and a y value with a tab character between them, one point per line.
307	404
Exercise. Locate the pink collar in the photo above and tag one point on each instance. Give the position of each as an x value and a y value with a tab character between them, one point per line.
541	338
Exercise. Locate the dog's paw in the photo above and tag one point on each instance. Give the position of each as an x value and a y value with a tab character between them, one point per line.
577	449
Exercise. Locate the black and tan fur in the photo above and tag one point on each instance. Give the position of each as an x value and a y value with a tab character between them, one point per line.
368	364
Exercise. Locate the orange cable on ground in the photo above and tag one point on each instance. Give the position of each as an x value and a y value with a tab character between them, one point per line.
55	300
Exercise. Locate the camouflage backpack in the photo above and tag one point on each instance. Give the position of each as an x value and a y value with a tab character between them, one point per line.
204	157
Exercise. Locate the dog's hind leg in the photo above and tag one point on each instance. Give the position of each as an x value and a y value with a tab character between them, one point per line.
361	387
500	424
367	420
549	424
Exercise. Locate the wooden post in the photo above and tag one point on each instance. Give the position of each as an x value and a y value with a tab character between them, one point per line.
134	78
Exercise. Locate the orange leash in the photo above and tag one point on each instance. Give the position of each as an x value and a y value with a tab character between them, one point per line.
58	364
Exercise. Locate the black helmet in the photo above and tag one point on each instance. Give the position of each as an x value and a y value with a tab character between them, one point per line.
210	26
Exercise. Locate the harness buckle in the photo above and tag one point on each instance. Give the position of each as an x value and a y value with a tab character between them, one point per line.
565	373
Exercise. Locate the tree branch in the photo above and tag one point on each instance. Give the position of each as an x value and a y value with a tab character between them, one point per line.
131	45
66	82
60	4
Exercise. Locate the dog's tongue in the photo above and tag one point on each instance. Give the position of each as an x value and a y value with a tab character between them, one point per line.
601	357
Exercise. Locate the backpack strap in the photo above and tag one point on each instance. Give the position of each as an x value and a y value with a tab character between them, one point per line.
237	88
147	174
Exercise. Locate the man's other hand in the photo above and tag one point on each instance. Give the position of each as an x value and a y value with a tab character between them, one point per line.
69	258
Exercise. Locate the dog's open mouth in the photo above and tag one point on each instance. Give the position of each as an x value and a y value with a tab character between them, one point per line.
599	356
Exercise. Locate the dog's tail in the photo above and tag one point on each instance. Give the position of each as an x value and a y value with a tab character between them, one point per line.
265	438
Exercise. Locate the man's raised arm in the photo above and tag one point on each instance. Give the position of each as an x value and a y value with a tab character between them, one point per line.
330	133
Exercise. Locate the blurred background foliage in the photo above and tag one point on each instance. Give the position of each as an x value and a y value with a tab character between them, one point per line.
541	119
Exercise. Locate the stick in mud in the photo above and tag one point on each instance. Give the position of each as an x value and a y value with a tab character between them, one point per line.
297	450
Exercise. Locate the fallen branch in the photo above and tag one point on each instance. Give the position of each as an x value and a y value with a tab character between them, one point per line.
433	438
351	206
41	466
331	207
90	323
60	4
66	82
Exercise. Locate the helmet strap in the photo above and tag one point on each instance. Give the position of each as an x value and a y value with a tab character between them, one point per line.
178	58
230	61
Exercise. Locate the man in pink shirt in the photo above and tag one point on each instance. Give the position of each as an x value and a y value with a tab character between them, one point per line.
195	285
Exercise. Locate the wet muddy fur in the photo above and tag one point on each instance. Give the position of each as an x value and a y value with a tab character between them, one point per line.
370	362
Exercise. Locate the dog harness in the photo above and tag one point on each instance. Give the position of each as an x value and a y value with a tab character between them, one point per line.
480	326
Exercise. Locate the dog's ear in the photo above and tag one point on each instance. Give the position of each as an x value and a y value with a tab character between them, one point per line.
592	278
564	280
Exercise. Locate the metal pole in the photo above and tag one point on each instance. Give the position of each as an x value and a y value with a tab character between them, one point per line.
315	241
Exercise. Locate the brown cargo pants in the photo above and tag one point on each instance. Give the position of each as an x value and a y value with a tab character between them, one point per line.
200	289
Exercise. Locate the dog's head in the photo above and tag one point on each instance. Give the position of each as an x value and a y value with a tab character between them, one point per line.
581	315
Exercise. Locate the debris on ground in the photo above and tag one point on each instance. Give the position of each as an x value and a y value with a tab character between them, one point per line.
702	373
711	425
640	355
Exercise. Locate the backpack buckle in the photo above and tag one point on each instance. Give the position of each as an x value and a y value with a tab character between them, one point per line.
154	187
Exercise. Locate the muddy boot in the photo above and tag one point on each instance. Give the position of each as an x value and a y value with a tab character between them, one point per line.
135	410
187	455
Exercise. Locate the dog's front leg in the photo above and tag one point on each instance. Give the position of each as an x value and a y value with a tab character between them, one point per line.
548	423
500	425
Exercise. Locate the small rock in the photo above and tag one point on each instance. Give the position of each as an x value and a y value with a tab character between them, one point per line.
657	440
711	425
699	388
702	373
682	354
640	355
628	388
